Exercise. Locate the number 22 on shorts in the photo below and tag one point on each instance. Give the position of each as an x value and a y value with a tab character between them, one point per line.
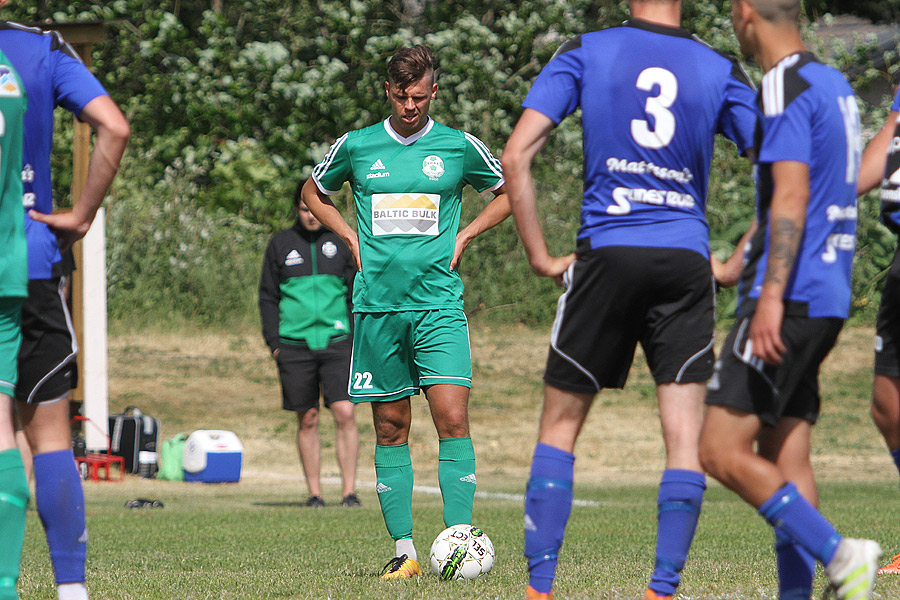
362	381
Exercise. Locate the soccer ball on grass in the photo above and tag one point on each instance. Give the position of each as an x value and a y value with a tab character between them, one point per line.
462	552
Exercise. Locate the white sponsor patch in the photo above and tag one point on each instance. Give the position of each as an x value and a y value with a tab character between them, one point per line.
329	249
405	214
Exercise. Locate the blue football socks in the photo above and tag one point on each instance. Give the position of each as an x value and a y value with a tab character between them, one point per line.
895	454
548	502
679	501
60	504
794	516
796	568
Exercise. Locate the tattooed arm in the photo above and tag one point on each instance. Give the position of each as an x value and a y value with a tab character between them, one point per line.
787	217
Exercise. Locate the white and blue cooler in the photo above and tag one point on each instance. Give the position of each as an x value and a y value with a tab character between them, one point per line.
213	456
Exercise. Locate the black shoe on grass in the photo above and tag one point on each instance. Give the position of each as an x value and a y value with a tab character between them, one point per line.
315	502
351	500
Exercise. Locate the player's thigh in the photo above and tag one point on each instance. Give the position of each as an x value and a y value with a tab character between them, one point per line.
10	340
47	367
381	367
887	326
441	348
598	321
678	334
334	371
299	375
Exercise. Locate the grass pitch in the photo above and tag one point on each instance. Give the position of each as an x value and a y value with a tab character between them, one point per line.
254	540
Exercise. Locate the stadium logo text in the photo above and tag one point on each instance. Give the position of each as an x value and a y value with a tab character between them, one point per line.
623	197
405	214
620	165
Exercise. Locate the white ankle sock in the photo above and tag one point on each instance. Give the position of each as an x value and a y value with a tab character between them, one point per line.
72	591
405	546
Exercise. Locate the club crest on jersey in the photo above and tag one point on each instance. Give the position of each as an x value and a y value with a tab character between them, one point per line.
433	167
293	258
329	249
9	84
405	214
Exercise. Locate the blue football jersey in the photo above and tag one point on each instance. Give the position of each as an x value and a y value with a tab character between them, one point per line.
808	114
890	185
53	75
652	99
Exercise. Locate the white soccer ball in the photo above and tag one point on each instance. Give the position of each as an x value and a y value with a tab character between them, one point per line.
462	552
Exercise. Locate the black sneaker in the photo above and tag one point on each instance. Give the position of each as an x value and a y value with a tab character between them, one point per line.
351	500
315	502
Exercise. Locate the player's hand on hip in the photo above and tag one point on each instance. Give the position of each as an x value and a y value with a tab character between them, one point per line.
353	242
553	266
765	331
68	227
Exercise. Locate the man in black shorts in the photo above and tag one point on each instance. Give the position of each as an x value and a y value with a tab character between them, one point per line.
304	302
794	296
642	272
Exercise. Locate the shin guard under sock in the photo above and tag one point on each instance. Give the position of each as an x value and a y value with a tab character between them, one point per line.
679	501
548	503
791	513
60	504
456	474
394	475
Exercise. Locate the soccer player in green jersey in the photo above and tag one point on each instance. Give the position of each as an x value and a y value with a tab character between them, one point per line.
13	291
407	174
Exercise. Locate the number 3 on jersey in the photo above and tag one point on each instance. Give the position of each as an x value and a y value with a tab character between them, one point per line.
658	107
362	381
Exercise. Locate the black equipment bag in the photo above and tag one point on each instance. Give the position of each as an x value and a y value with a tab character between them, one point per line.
135	437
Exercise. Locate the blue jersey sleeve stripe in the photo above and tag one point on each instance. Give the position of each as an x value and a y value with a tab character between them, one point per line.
483	151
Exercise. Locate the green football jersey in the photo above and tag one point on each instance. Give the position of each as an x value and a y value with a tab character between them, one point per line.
408	195
13	261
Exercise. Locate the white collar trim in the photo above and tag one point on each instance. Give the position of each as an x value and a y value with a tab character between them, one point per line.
408	140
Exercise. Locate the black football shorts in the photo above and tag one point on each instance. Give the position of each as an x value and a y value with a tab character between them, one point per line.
887	326
619	296
791	389
305	374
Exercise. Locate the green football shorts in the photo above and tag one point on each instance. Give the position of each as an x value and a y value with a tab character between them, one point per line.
395	354
10	340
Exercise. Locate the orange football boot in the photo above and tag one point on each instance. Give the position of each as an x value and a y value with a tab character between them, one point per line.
892	567
533	594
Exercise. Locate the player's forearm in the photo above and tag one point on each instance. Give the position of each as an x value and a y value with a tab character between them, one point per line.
109	147
787	219
523	204
874	158
325	211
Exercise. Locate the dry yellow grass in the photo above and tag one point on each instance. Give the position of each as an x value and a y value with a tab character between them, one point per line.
201	380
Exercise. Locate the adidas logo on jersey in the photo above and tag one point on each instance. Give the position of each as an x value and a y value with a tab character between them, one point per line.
529	523
293	258
470	478
381	488
377	166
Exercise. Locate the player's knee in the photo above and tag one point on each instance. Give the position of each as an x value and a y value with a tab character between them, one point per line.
309	420
709	457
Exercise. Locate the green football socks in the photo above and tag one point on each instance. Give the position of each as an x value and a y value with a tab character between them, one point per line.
456	474
13	499
394	475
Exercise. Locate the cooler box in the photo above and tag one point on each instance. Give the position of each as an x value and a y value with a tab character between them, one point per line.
212	456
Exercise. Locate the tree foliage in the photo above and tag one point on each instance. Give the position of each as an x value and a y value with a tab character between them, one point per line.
231	103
